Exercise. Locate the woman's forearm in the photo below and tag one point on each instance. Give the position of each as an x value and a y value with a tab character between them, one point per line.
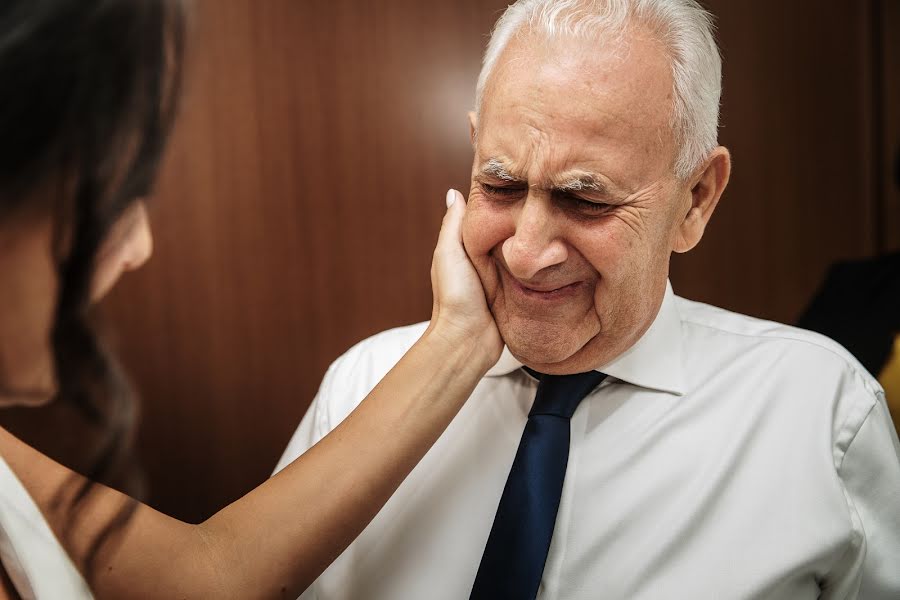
141	558
277	539
341	483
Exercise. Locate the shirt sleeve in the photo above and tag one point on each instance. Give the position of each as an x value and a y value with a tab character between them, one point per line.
345	384
870	471
315	423
313	427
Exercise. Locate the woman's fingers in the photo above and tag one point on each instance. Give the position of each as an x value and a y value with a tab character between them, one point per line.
459	301
455	281
450	238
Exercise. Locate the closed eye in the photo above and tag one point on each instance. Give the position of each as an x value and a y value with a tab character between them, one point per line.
582	205
501	191
567	200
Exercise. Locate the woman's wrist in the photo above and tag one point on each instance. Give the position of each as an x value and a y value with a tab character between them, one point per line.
480	351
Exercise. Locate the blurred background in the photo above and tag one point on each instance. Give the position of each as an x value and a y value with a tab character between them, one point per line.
304	189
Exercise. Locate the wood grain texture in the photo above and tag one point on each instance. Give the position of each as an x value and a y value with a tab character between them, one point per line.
297	215
887	24
795	115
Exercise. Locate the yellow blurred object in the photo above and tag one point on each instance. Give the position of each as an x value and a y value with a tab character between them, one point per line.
890	380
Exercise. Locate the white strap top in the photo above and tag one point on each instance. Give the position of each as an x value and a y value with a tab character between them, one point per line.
32	556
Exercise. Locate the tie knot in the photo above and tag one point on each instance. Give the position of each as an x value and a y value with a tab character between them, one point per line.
559	395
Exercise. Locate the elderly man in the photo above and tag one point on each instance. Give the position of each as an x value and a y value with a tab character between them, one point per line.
629	444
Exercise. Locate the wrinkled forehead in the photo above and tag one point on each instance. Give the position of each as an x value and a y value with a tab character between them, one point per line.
580	104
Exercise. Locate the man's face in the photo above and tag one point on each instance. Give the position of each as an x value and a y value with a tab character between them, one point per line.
574	208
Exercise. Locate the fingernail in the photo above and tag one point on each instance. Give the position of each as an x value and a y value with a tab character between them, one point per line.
451	198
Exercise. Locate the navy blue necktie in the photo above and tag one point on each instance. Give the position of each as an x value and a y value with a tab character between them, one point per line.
513	560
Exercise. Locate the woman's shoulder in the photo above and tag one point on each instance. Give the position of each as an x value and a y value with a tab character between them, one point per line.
32	557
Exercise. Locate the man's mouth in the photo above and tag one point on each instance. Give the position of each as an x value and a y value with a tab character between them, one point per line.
549	290
546	291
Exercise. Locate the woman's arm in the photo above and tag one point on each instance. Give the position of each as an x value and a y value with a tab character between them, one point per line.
7	589
276	540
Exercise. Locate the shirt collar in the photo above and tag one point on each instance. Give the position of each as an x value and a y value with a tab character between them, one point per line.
654	362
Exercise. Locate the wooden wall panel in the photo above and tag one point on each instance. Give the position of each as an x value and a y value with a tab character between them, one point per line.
297	215
796	116
887	25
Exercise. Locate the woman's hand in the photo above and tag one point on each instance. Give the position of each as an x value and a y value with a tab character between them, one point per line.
460	312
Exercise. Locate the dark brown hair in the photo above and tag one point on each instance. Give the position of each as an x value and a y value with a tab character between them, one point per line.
90	93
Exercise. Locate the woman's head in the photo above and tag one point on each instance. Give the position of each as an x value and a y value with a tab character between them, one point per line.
90	92
90	88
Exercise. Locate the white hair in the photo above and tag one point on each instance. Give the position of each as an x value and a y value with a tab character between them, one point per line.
684	28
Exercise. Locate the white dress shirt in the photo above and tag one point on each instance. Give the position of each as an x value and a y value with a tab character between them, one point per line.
32	557
724	457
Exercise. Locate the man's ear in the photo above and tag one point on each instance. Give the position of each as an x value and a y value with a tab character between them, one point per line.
473	126
707	186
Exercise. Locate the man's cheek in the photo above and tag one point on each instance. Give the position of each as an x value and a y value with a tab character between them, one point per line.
476	231
468	230
476	234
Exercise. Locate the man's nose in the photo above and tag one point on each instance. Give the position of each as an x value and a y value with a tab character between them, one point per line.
536	244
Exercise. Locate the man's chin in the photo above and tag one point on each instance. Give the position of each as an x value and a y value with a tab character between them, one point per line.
550	352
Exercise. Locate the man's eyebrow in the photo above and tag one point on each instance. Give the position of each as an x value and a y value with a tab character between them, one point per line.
495	168
585	182
577	182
